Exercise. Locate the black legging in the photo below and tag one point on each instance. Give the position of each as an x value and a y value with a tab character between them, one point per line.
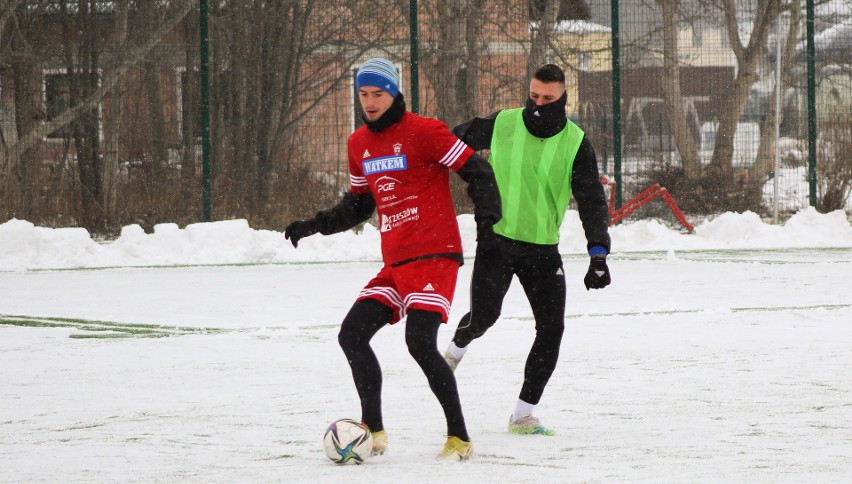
364	320
539	270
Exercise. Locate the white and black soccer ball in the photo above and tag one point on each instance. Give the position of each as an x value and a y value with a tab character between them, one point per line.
348	441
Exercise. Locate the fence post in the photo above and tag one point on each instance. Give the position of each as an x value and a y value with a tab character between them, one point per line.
812	135
616	103
413	33
204	80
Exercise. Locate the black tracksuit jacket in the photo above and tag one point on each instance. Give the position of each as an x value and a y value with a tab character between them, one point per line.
586	187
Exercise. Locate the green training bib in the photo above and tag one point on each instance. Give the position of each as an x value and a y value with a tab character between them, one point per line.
534	177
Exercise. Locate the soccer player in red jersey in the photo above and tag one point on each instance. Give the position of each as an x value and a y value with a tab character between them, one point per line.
399	164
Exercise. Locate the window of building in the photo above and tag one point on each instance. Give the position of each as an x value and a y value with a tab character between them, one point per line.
584	61
697	36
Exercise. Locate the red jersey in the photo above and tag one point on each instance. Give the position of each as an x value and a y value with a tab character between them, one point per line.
406	168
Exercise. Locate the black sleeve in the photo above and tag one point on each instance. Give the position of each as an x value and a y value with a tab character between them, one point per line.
591	201
482	189
477	132
349	212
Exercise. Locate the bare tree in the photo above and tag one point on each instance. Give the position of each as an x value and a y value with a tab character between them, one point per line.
766	148
130	58
112	124
452	56
543	16
91	71
748	55
681	131
190	106
262	87
20	171
834	171
81	60
157	151
7	12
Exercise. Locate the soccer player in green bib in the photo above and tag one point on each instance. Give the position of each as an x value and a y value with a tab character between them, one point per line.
540	158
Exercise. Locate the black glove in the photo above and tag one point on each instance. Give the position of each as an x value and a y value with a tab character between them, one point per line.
298	229
486	239
598	275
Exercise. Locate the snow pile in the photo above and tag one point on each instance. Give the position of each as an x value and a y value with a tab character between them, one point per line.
24	246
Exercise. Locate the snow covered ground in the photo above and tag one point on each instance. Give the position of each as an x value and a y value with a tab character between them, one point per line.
723	355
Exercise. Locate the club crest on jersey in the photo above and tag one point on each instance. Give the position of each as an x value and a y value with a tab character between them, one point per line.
385	164
397	148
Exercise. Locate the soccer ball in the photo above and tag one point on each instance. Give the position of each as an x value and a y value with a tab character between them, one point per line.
348	441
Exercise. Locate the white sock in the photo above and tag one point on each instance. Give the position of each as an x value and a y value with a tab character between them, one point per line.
456	351
522	409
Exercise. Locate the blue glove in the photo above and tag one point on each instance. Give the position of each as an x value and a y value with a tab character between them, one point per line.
597	277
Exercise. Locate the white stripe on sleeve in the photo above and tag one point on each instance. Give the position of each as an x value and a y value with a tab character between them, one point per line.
453	154
357	181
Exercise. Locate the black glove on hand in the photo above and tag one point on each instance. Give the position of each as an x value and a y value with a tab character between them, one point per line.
485	237
298	229
598	275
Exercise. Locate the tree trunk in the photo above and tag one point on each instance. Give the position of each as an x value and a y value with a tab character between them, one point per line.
21	163
153	95
747	59
85	131
7	11
112	125
469	106
765	162
190	107
157	148
450	60
541	38
21	170
683	135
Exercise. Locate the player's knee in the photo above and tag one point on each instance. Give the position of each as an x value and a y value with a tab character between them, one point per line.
347	340
551	329
421	332
479	323
361	323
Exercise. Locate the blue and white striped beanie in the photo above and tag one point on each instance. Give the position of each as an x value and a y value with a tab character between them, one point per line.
379	73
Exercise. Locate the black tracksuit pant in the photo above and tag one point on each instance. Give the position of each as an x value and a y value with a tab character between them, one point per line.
363	321
539	270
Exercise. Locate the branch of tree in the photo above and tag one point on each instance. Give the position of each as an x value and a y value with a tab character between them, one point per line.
732	26
6	14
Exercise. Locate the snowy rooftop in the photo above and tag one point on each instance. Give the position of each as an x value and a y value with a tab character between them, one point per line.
575	27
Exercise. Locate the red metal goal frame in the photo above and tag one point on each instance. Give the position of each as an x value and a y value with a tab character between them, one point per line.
638	201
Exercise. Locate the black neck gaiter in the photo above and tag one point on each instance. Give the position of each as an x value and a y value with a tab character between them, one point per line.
546	120
392	115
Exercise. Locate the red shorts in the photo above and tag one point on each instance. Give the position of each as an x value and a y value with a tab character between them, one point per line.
424	284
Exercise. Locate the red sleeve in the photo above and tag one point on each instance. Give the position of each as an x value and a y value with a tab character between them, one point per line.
357	180
446	147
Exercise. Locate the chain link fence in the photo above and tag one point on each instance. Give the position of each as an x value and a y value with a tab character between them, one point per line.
100	121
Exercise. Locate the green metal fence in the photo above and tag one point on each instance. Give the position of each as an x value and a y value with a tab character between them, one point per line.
116	112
